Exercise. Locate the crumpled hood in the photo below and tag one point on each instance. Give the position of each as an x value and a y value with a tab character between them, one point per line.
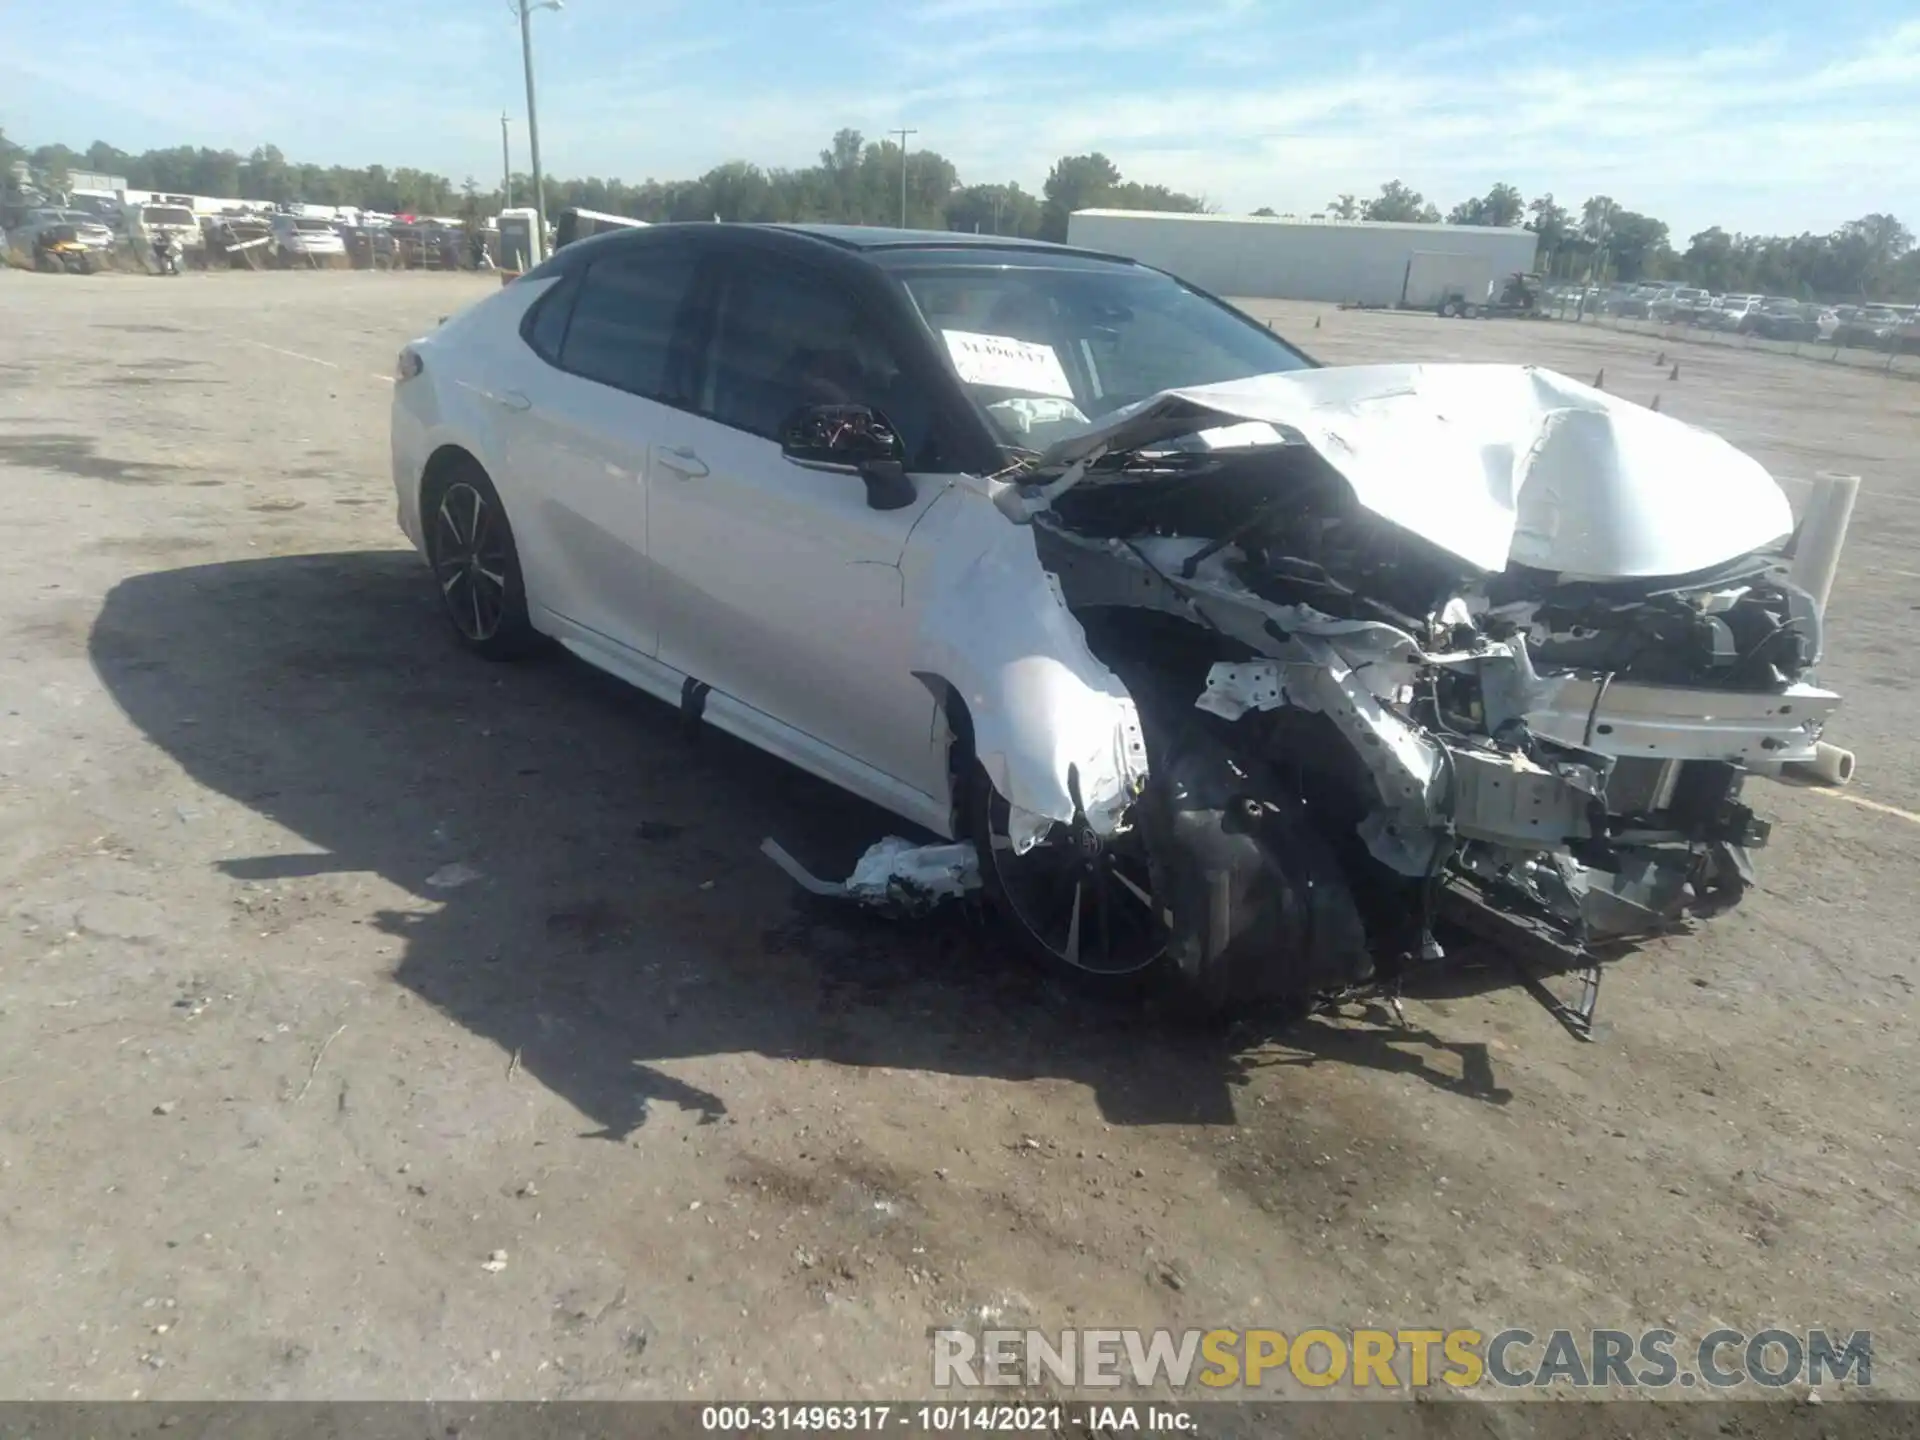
1494	463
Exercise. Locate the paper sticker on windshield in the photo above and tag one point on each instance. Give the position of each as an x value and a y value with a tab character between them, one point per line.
1010	364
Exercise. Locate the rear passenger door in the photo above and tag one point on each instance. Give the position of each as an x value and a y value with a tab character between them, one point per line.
603	382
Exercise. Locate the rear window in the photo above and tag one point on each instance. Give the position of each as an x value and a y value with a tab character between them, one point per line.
546	327
621	333
314	226
167	215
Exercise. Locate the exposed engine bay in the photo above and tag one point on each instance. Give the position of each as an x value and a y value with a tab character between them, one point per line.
1348	721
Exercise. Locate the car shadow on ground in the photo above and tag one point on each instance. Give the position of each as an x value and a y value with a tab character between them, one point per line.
622	917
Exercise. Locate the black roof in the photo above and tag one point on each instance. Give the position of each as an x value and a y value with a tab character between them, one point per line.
878	240
889	237
875	242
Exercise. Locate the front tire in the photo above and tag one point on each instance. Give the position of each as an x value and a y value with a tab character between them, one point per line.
1076	903
476	565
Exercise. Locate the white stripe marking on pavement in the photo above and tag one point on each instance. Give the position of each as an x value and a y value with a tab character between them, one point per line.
294	354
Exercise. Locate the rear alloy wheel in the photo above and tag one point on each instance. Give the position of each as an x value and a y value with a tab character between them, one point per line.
1076	899
470	546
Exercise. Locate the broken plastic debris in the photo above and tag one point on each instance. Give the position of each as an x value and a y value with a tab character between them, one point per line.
495	1263
894	875
452	877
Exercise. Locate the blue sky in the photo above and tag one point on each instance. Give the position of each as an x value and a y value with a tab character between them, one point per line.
1759	116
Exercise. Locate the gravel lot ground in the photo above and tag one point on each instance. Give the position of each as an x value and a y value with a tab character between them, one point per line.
272	1099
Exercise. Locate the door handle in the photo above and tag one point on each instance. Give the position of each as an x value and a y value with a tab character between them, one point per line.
512	400
682	461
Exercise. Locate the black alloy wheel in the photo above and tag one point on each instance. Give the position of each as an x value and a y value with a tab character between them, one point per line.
1076	899
470	546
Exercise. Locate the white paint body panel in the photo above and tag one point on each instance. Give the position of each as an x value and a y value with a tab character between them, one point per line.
1498	463
661	546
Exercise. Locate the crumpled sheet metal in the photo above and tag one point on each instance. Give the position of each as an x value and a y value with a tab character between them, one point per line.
1493	463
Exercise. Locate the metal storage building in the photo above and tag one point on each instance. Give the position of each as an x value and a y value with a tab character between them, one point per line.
1369	262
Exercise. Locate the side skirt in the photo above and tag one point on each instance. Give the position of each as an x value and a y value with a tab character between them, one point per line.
757	728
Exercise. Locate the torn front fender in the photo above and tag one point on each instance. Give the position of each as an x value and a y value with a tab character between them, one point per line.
1049	718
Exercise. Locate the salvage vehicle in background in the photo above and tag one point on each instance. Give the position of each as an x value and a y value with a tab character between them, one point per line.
76	227
1680	305
1731	312
305	240
1781	319
179	224
237	240
1229	667
1867	327
58	249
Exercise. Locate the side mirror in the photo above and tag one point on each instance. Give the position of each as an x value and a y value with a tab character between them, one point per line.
851	439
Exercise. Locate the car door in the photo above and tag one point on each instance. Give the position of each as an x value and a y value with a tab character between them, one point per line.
776	583
600	376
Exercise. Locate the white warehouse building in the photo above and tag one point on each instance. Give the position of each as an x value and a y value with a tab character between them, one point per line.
1365	262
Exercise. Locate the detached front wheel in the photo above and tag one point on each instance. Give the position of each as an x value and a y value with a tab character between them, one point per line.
475	564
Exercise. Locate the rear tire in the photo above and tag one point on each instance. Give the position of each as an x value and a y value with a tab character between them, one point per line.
476	565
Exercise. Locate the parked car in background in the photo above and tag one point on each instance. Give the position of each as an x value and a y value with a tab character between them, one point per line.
1613	298
1780	319
179	224
1886	326
238	240
99	205
89	230
1731	311
1868	327
1678	306
1637	302
306	240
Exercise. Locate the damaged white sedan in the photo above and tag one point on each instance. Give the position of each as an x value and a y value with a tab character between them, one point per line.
1224	662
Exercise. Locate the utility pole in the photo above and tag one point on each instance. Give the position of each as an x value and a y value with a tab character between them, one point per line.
903	134
526	8
506	167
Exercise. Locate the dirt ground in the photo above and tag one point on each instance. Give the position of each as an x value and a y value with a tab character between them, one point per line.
282	1114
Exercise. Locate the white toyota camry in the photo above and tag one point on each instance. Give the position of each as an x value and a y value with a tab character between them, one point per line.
1220	661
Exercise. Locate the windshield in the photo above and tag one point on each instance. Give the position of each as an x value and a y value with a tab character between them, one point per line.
1046	351
314	226
78	217
167	215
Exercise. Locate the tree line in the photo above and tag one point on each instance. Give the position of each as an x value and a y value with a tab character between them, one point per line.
858	181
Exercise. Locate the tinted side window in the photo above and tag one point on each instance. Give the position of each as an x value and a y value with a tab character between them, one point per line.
546	327
622	328
785	339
